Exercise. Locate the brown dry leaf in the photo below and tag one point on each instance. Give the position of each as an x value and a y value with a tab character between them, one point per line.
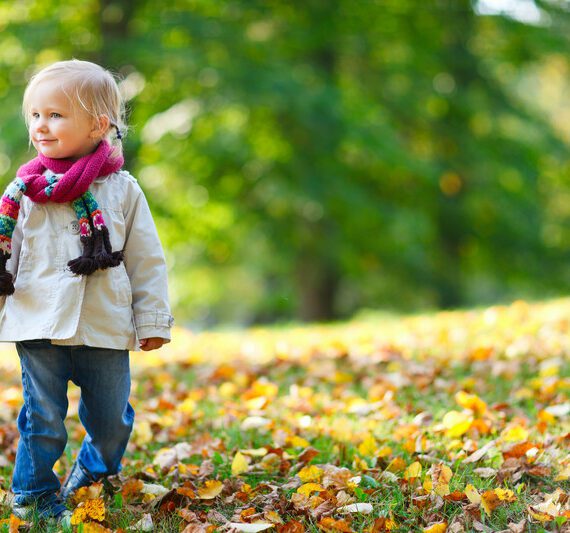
517	528
540	471
480	453
307	455
195	527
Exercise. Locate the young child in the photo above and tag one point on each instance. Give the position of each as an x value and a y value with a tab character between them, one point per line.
84	279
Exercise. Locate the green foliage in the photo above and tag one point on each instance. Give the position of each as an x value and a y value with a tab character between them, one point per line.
309	160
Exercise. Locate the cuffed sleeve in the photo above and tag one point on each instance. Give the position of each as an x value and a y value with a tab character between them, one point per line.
153	325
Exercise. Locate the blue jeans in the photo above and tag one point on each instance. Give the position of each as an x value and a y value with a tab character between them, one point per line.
104	410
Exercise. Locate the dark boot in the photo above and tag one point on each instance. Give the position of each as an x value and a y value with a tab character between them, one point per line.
77	478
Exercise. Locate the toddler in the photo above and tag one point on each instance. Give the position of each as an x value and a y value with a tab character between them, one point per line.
83	281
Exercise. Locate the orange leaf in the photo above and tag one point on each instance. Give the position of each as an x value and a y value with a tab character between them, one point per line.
330	525
381	525
291	527
131	487
455	496
490	501
471	402
518	450
186	491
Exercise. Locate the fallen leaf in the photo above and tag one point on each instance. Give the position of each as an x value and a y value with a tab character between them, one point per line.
239	464
364	508
330	525
413	471
456	423
310	474
440	527
210	490
307	488
250	528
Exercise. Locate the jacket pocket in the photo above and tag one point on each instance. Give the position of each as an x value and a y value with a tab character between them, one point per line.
121	285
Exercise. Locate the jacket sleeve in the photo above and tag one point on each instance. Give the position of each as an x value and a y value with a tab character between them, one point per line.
146	267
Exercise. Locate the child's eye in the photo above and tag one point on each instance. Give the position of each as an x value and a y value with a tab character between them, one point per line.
55	115
35	115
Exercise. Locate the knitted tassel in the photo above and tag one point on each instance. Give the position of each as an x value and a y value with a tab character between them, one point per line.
6	278
102	259
116	257
84	264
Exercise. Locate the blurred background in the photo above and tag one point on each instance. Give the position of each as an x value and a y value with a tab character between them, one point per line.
308	160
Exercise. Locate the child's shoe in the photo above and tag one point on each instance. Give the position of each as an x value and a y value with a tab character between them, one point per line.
44	506
77	478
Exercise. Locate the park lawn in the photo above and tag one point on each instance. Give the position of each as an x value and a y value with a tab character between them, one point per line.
450	421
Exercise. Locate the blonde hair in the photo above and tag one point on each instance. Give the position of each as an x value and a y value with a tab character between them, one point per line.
89	87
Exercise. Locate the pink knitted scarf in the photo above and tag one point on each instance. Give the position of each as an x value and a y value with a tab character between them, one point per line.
32	180
77	175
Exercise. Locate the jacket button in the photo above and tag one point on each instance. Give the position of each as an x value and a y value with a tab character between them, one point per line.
73	227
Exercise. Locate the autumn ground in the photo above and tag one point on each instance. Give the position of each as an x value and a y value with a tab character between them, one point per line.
444	422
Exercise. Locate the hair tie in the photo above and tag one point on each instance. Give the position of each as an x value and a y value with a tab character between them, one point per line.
119	134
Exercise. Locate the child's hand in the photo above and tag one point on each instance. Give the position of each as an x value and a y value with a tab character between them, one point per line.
152	343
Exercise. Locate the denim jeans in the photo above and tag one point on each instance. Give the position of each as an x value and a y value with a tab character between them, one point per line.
104	379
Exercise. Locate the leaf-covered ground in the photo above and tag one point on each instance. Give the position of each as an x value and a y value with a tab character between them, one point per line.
445	422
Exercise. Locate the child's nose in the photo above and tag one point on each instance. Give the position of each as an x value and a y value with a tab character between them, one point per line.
40	124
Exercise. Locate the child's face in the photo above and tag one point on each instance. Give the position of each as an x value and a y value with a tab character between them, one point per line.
57	128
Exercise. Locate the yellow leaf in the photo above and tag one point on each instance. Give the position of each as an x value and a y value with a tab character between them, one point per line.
456	423
440	527
368	447
428	484
563	475
298	442
471	402
441	475
310	473
384	452
396	465
239	464
514	434
307	488
472	494
188	406
505	495
89	510
413	471
442	489
210	489
539	515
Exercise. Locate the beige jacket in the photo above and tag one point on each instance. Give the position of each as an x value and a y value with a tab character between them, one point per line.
111	308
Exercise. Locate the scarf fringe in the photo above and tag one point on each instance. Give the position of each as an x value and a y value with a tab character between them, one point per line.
97	254
84	265
6	278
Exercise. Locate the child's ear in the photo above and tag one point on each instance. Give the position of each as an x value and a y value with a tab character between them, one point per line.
100	126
